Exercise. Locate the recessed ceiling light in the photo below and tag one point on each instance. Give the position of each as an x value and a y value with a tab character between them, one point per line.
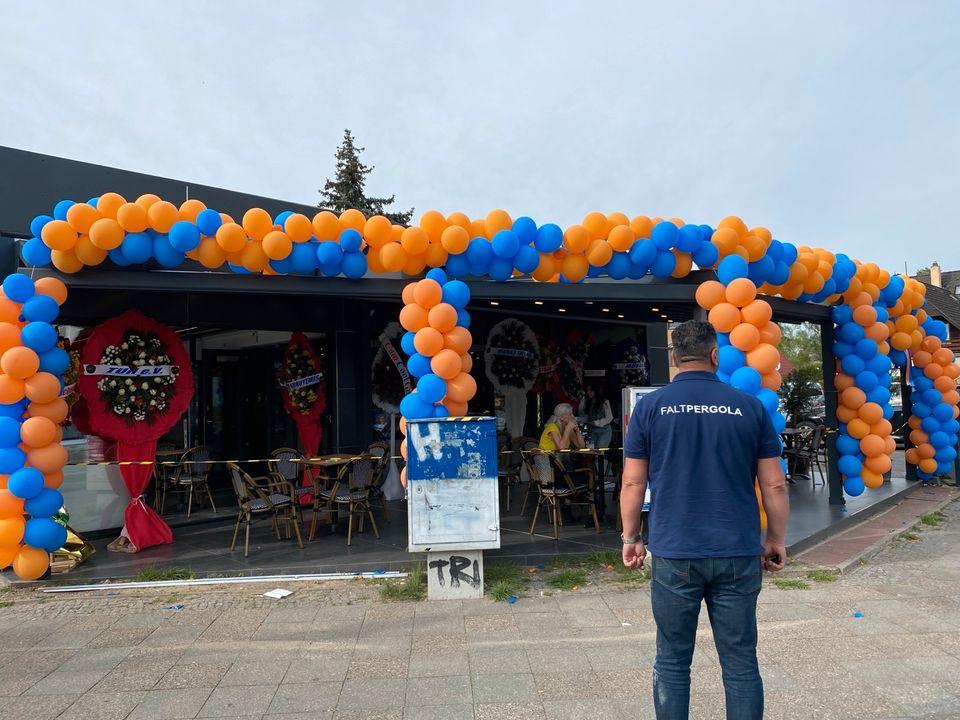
663	316
655	309
561	309
620	316
605	309
538	302
588	302
494	302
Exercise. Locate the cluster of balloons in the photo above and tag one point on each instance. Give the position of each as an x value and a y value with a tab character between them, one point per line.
933	424
437	341
31	410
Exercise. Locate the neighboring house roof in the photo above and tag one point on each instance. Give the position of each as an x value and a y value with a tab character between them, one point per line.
786	367
942	303
949	279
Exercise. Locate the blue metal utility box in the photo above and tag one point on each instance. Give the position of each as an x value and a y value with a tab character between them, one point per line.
452	487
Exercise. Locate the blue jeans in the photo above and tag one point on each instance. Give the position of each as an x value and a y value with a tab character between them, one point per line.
730	586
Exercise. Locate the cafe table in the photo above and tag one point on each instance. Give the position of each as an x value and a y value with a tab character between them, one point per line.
328	471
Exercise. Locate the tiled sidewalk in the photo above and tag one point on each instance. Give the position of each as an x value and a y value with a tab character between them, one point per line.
573	655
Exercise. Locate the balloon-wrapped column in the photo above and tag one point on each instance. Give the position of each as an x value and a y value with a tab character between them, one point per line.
31	410
438	344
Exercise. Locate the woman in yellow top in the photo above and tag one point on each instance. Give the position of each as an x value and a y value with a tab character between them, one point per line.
561	431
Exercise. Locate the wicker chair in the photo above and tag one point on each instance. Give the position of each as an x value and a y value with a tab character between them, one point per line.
380	451
557	485
262	497
287	466
525	445
509	463
191	476
351	492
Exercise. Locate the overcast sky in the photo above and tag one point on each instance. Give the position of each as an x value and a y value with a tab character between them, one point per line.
832	123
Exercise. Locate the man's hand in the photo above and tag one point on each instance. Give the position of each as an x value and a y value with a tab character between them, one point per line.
770	551
633	555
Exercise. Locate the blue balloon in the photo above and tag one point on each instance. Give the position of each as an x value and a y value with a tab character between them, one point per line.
637	271
18	287
664	264
479	253
882	314
44	533
354	265
879	365
284	266
327	253
866	381
350	240
932	397
418	365
281	218
437	275
841	314
238	269
847	445
850	333
456	293
526	230
526	259
879	395
39	336
731	359
723	339
209	221
500	269
888	411
770	400
723	377
117	258
849	465
45	503
184	236
939	439
690	237
951	426
24	482
431	388
706	255
458	266
921	410
930	424
619	266
9	432
164	253
897	357
137	247
759	272
865	348
440	411
944	468
942	412
92	202
41	307
775	251
463	318
853	486
852	365
945	454
34	252
664	235
505	244
406	343
922	382
842	349
54	361
36	225
549	238
643	252
60	209
413	408
779	421
746	379
731	268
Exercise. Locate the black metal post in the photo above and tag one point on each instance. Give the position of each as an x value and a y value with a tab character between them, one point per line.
906	410
834	481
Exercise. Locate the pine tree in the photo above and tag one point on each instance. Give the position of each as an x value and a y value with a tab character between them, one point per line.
346	189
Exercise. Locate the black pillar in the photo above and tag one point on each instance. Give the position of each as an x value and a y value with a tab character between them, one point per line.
659	355
834	481
906	406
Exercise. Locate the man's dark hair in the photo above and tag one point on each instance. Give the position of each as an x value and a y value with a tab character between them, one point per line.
693	340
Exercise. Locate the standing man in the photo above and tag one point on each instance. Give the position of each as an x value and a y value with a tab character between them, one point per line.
700	444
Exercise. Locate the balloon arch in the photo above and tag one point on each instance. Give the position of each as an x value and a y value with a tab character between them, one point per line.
879	318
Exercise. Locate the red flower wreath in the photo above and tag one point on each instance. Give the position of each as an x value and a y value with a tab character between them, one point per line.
137	438
304	390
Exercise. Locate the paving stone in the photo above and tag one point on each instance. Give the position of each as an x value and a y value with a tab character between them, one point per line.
103	706
439	690
305	697
171	704
504	688
260	673
370	693
134	674
192	675
567	685
450	711
65	682
395	713
439	664
581	710
12	688
36	707
121	637
96	659
558	660
318	667
498	662
364	666
510	711
238	701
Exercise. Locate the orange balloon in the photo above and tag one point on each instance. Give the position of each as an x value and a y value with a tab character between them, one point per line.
56	410
741	292
906	323
745	337
51	287
298	227
576	238
912	456
88	253
231	237
881	427
257	223
853	397
870	412
546	268
945	383
878	332
461	388
930	343
38	431
952	371
599	253
574	267
913	422
926	450
31	563
428	293
66	261
724	317
43	387
106	234
414	240
210	254
11	530
47	459
442	317
496	221
392	257
710	293
461	219
871	445
726	240
434	223
455	239
428	341
20	362
147	199
754	246
933	371
459	340
763	358
413	317
865	315
879	464
407	294
446	364
435	256
858	429
466	362
11	389
770	333
189	209
10	505
377	231
772	381
454	408
919	437
597	224
900	341
81	216
943	356
871	479
58	235
642	226
326	226
620	238
277	245
951	397
132	217
758	313
842	381
684	264
162	216
845	414
9	337
928	465
921	358
109	203
253	258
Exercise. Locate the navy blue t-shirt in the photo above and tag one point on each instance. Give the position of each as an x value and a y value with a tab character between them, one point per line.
702	439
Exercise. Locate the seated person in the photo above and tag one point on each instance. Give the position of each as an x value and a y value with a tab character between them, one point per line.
561	431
